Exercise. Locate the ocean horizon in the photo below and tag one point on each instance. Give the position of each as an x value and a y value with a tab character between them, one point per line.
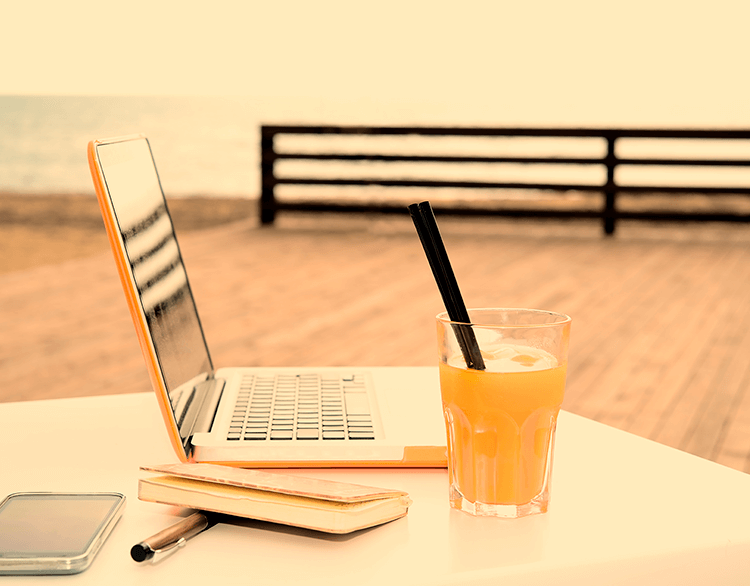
210	146
203	146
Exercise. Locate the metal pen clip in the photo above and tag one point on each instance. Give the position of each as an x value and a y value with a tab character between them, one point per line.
160	554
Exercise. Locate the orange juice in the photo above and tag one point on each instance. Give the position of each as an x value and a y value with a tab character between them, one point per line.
500	423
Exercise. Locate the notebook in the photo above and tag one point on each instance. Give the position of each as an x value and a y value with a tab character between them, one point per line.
245	416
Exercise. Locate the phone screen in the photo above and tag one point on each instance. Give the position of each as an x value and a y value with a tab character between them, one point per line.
34	526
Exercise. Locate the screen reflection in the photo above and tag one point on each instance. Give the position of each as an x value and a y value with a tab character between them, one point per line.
157	267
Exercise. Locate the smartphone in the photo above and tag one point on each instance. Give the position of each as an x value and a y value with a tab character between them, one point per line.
55	533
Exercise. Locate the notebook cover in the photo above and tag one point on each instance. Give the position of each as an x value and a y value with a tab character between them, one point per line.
329	490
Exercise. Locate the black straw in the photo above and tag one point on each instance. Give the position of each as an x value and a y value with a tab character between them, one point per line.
437	256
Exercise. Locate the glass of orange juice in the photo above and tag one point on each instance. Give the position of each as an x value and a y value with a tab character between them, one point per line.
501	415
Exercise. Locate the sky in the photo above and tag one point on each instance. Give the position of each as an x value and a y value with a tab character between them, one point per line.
573	62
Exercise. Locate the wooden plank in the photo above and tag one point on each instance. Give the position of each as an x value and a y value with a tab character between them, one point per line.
660	345
733	449
709	360
650	333
717	407
665	398
611	317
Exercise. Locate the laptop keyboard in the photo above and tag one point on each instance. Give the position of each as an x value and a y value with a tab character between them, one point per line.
302	407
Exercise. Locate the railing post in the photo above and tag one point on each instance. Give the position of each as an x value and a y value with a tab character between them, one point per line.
610	191
267	210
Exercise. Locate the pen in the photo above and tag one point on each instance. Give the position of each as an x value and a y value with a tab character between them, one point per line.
169	539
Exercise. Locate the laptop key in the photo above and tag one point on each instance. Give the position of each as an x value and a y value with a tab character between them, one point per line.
357	435
334	429
282	435
283	417
358	418
307	434
254	436
333	435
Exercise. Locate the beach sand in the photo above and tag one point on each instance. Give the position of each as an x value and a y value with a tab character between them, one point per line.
48	229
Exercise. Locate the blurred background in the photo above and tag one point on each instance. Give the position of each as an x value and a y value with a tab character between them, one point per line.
199	80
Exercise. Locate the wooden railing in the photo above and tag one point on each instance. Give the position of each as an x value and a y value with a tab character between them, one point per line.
609	189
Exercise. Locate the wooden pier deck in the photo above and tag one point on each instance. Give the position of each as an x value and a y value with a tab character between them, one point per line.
661	316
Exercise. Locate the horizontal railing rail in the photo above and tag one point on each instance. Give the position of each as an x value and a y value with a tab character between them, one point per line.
270	204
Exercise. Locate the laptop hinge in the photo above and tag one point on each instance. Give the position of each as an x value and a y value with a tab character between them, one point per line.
202	409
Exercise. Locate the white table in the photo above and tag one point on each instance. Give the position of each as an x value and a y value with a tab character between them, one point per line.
624	511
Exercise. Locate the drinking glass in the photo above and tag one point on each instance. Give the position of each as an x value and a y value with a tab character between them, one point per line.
501	414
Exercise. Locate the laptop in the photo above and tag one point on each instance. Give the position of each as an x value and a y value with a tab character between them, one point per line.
246	416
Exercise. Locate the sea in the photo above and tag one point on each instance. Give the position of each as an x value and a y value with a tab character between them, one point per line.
210	146
203	146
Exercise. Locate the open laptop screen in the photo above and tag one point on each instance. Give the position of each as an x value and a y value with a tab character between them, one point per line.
145	225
